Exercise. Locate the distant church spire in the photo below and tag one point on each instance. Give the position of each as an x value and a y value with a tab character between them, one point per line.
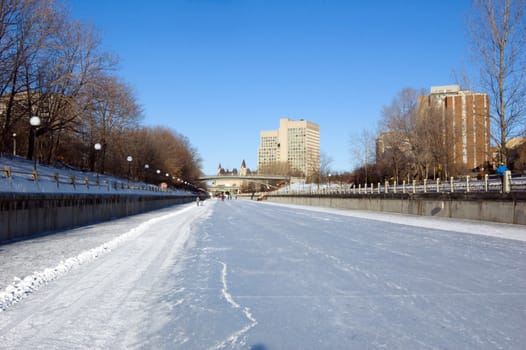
243	171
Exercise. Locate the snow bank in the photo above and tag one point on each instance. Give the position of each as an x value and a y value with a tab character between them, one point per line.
21	288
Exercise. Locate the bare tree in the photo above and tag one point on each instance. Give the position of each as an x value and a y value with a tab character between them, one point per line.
47	63
110	112
325	163
9	10
363	149
498	36
27	31
403	143
70	81
395	157
165	150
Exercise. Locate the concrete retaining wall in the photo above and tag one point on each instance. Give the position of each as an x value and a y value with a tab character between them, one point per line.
504	208
28	214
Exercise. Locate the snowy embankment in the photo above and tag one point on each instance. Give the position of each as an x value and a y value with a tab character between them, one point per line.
67	180
21	287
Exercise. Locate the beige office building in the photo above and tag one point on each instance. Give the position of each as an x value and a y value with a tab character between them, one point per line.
296	145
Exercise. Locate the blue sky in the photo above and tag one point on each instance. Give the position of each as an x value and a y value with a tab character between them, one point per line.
220	71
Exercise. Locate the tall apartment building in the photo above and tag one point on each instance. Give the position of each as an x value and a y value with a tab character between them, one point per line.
296	143
466	117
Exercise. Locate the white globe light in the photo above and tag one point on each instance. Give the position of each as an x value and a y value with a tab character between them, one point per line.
34	121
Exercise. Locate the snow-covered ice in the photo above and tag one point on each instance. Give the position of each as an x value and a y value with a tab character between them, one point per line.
243	274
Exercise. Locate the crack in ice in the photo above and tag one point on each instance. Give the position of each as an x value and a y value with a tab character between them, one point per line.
232	339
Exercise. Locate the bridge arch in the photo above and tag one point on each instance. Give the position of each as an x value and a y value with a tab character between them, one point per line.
234	183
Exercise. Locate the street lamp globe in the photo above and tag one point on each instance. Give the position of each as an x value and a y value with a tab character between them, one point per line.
98	147
34	121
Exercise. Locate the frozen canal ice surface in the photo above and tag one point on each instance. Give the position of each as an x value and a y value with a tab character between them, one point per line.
249	275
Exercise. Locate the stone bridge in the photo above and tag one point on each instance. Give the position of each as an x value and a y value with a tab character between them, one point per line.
233	183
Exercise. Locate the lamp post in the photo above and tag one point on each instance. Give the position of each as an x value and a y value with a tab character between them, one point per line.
35	123
14	143
97	148
158	175
129	159
146	167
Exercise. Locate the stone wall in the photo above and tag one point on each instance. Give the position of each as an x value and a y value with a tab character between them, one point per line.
495	207
27	214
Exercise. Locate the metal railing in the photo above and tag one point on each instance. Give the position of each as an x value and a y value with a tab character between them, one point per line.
464	185
58	182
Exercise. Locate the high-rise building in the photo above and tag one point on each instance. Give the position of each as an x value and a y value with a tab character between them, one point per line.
296	144
466	117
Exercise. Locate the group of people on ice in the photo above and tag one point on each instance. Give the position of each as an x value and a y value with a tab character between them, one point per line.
224	195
